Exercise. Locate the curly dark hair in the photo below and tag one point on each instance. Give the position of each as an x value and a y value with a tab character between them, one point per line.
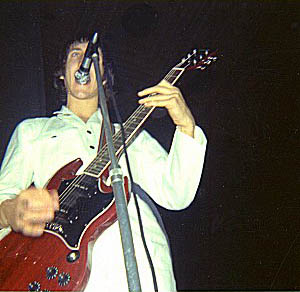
58	83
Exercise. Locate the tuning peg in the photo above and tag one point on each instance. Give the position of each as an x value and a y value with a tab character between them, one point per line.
212	59
195	51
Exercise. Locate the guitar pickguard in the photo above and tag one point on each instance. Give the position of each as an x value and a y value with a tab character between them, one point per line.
81	202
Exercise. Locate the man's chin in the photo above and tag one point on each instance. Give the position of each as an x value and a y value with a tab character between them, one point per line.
83	95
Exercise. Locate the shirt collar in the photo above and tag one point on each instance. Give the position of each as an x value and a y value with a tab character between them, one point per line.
65	112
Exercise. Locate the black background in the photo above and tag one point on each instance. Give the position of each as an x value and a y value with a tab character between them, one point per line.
242	230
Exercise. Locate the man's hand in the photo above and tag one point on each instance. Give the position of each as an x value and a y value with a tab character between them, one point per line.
29	211
166	95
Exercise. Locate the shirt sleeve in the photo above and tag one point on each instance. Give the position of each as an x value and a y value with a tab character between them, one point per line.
170	179
16	170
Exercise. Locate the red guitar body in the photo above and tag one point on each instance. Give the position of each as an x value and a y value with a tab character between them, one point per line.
49	263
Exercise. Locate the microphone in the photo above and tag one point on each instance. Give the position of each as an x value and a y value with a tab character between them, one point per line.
82	75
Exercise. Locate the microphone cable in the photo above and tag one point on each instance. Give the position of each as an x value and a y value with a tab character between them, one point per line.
119	120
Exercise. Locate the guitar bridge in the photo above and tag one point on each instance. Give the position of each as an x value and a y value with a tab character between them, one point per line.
56	227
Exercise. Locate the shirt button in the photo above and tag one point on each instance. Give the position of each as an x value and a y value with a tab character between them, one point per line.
89	131
92	147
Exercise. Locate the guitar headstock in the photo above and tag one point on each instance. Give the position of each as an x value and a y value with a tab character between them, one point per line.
197	60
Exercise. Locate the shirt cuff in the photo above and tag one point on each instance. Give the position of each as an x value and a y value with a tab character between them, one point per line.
199	136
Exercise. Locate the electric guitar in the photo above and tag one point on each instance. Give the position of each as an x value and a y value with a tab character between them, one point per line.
58	260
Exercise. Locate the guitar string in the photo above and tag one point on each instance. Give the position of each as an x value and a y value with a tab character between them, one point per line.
67	192
63	196
103	152
78	180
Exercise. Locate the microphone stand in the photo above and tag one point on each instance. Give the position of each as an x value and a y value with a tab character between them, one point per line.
118	190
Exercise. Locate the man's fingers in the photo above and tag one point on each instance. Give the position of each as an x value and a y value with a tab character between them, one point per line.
38	217
163	102
158	89
37	199
35	207
25	203
33	229
55	199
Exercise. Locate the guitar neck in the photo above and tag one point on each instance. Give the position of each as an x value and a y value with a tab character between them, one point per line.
131	126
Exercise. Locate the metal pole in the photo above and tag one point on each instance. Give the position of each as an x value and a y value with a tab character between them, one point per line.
118	190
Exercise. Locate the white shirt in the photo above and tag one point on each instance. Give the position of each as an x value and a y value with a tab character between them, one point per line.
41	146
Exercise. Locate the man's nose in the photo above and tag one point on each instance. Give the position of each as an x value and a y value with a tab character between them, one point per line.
80	60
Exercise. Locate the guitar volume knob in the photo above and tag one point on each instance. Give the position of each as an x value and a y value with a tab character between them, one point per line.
34	286
51	272
63	279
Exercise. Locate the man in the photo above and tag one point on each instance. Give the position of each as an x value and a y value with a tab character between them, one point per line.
41	146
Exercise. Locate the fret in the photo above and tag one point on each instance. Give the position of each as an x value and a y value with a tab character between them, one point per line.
118	144
105	159
99	162
172	77
91	173
139	116
103	163
97	168
130	127
175	74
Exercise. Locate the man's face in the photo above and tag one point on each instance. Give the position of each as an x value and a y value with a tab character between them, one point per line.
74	60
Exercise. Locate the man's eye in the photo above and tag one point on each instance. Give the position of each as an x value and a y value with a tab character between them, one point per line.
74	54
